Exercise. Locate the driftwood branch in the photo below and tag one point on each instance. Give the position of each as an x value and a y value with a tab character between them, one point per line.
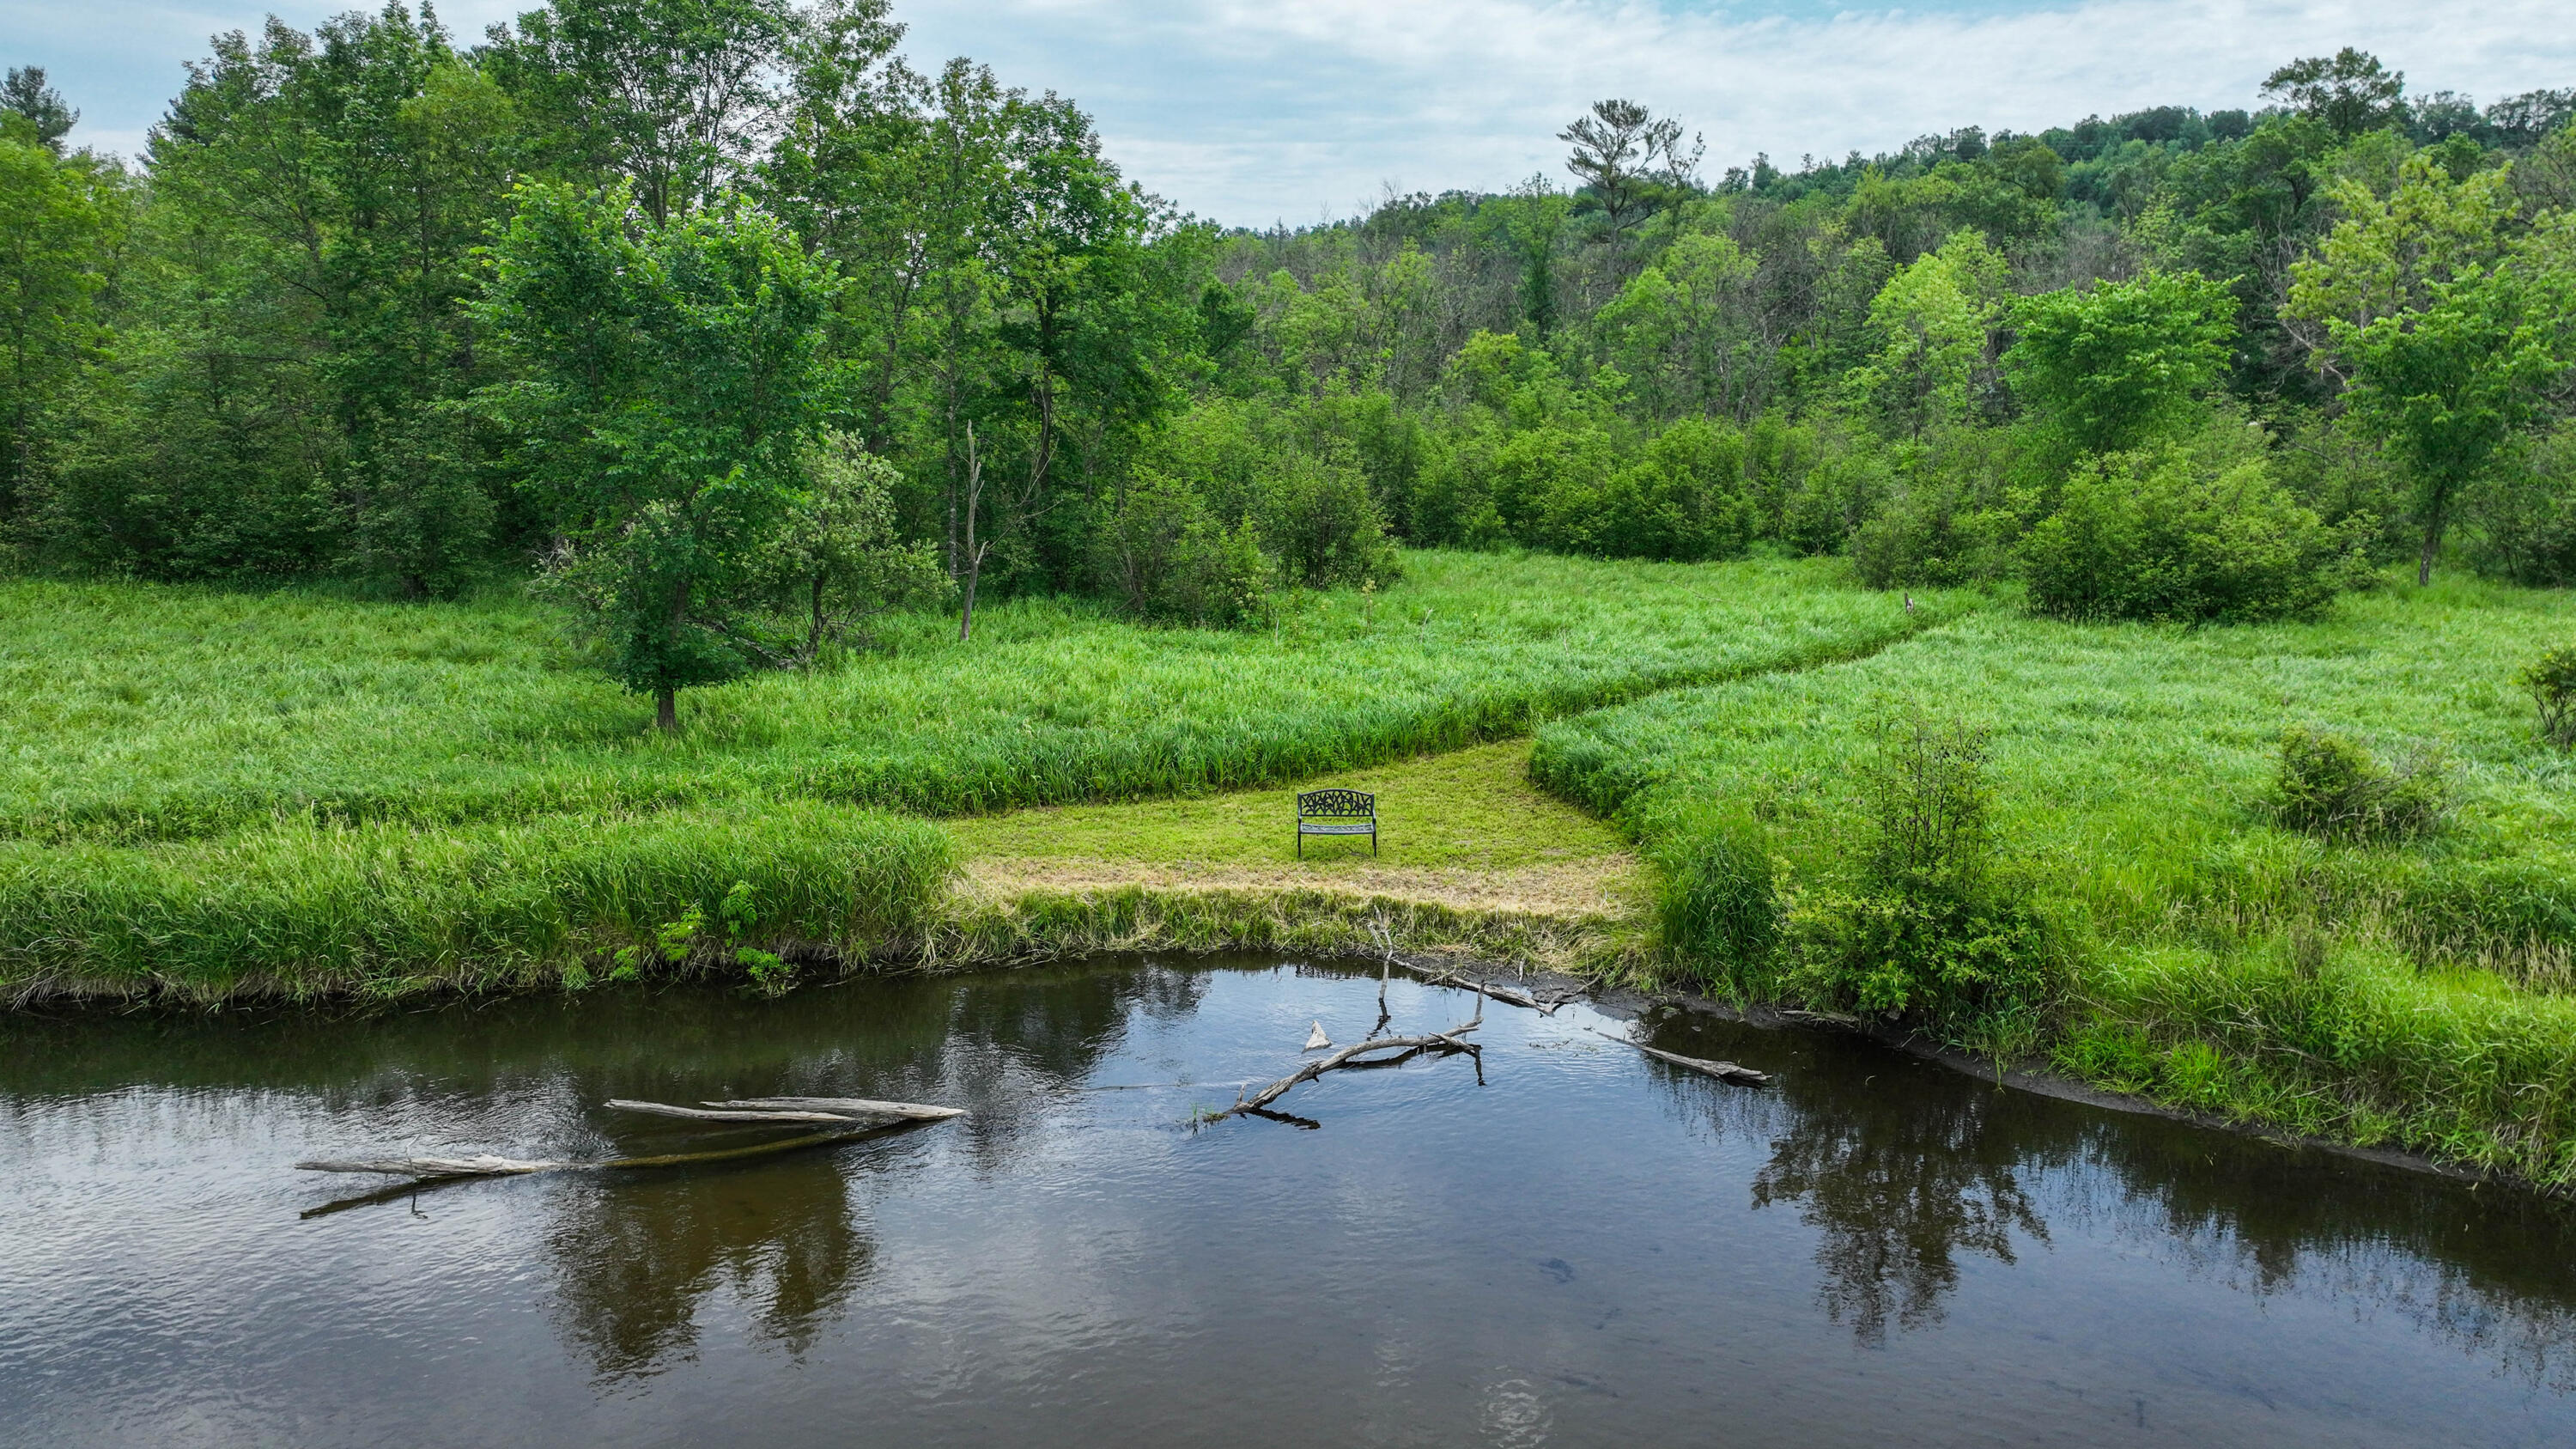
1723	1071
1507	995
1401	1047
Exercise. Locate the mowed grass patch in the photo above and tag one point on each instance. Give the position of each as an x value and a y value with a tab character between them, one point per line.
137	712
1465	829
2406	994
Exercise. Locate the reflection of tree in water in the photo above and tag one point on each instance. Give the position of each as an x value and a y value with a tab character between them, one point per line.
1899	1184
635	1255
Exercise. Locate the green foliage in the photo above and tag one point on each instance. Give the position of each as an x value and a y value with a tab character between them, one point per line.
2117	363
2449	329
59	219
2552	682
2174	537
1716	903
1933	932
1936	534
2330	786
2525	513
1934	324
298	910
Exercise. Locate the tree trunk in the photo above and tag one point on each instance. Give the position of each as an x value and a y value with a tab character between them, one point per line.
666	710
2432	545
974	570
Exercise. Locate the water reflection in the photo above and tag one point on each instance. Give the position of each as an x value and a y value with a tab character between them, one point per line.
1897	1188
634	1258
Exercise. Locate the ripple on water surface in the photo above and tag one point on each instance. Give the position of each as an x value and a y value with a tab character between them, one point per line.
1583	1247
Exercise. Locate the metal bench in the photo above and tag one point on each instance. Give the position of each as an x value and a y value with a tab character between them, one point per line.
1336	812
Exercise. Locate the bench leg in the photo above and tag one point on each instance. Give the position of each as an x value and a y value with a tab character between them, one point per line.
1372	842
1301	845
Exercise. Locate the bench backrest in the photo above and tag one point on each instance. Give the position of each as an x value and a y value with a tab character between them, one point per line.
1337	805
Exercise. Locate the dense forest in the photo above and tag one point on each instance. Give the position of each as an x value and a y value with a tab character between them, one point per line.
732	328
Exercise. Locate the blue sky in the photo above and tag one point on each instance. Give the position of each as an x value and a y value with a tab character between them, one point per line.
1254	111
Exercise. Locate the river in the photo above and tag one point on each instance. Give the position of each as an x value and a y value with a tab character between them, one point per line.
1565	1243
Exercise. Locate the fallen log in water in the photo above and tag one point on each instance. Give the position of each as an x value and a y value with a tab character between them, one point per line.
843	1107
432	1166
1723	1071
1444	1042
701	1114
1507	995
866	1118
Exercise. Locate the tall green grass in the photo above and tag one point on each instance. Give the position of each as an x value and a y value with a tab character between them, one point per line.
139	713
2131	766
301	910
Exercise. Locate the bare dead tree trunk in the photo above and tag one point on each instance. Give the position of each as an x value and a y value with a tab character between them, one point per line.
975	552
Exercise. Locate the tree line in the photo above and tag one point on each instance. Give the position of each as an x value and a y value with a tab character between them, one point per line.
735	328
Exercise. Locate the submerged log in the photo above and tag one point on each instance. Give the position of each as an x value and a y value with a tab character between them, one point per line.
1723	1071
859	1117
1507	995
843	1107
479	1166
701	1114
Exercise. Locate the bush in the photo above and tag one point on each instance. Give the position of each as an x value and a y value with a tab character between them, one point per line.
1839	494
2525	516
1936	932
2552	682
1164	551
1318	515
2330	786
1934	537
2172	538
1684	498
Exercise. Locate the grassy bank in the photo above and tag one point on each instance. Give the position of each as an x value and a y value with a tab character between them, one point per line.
302	911
2408	994
143	713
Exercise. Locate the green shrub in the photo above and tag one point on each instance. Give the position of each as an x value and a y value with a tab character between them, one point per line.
1318	516
1839	494
2525	515
2329	785
2552	682
1931	537
2172	538
1716	904
1978	971
1684	498
1935	933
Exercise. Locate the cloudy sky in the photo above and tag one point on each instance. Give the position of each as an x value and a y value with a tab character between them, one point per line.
1255	111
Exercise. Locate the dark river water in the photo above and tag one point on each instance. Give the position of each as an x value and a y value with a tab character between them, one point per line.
1587	1247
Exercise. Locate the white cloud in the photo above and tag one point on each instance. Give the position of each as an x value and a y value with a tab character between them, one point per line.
1251	111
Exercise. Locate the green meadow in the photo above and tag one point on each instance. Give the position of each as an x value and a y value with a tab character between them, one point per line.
144	713
2414	994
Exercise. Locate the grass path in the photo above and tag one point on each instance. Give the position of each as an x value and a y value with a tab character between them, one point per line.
1465	830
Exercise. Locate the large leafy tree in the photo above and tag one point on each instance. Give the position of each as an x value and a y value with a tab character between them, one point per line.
672	380
2445	329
